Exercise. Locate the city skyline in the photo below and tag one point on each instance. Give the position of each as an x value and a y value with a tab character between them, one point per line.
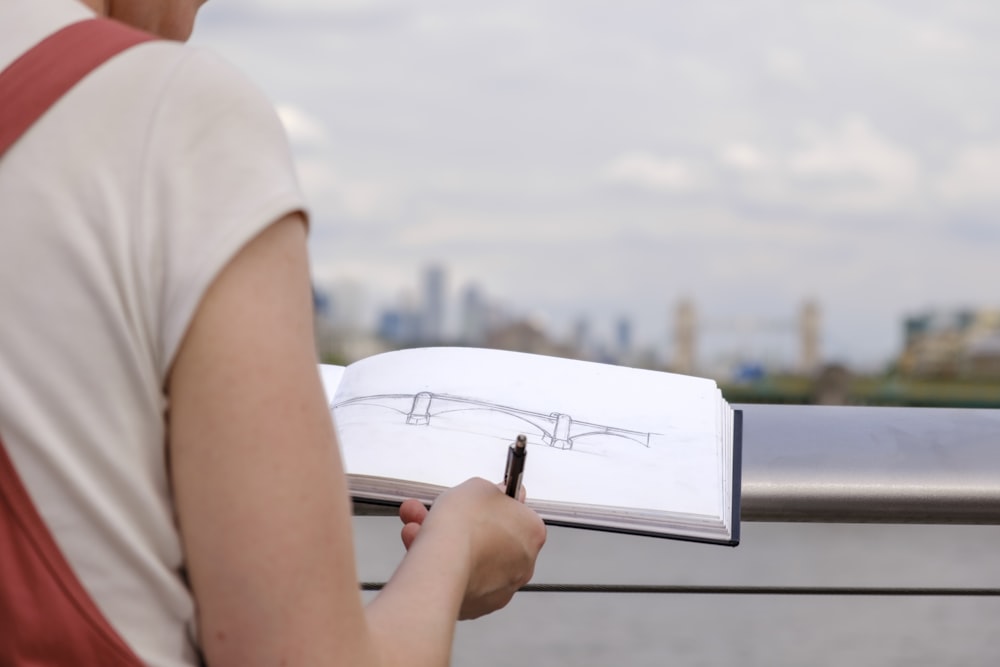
438	312
607	158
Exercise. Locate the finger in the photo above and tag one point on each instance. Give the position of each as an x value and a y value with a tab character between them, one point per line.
412	511
409	534
521	493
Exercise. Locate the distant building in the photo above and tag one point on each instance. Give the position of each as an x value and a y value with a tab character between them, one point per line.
433	305
525	336
323	329
623	339
809	328
401	325
957	343
581	339
337	318
685	336
474	316
321	303
981	358
479	315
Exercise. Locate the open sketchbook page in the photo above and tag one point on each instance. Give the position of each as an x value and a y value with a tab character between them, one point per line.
597	434
331	376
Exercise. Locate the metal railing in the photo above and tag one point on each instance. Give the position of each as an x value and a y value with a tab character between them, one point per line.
868	464
824	464
864	465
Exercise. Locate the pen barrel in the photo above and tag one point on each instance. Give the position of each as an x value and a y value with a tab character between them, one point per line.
515	469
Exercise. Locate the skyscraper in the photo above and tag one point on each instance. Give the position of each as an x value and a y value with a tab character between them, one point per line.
432	311
684	338
580	337
623	338
474	316
809	326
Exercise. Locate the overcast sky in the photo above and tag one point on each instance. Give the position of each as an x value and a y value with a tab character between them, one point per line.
608	158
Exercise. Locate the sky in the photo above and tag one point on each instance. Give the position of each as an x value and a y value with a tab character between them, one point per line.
609	158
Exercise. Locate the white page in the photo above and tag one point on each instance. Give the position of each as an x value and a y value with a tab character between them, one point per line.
659	449
331	376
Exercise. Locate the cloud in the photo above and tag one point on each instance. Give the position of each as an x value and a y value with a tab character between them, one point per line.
574	146
347	198
853	166
352	199
787	66
973	176
293	21
367	199
939	39
311	6
304	130
326	183
743	156
316	176
846	168
651	172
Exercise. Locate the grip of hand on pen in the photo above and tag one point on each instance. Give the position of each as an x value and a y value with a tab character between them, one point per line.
516	455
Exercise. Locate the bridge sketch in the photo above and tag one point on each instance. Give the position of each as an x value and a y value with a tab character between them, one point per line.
556	429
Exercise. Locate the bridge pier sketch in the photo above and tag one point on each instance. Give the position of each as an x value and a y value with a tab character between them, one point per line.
554	429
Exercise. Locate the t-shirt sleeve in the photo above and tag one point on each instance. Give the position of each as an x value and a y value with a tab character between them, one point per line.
218	171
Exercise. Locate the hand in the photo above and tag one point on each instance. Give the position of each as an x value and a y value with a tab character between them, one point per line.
503	539
413	512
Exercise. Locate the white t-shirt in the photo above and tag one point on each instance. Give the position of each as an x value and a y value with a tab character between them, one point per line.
117	210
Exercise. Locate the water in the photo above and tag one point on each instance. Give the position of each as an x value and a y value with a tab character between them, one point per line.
591	630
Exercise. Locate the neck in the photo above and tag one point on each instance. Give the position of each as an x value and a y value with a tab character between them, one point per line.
99	6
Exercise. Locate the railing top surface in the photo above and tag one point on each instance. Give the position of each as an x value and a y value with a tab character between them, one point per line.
870	464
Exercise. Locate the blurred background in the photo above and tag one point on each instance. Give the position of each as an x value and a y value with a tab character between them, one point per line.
797	199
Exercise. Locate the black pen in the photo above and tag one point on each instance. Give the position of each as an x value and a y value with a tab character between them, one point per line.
516	454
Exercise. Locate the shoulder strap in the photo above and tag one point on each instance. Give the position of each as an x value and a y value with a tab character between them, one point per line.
40	76
46	615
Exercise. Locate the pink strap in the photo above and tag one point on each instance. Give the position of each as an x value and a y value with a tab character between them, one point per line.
40	76
46	616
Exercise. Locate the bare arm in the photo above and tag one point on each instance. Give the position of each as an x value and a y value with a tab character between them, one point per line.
262	499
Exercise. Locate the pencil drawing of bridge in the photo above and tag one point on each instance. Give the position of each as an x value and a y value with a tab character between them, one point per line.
557	429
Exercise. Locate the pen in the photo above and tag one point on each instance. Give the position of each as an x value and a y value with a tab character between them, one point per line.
516	454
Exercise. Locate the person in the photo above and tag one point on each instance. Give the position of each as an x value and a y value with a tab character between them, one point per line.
161	402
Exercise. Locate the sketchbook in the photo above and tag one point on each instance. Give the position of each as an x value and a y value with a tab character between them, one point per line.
609	447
